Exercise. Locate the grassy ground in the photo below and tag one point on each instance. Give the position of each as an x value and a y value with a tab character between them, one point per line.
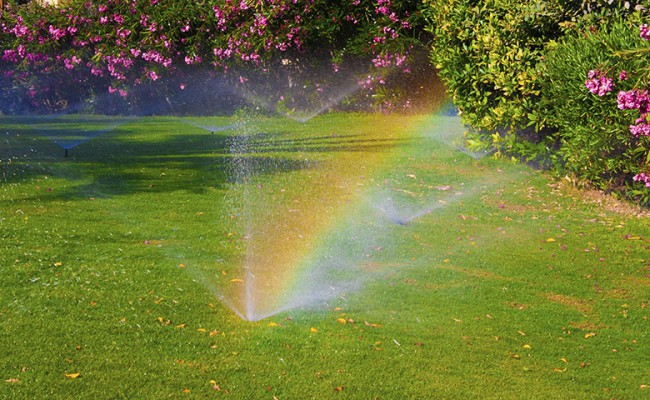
510	287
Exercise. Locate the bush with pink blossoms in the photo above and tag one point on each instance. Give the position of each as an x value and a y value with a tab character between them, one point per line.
596	95
84	48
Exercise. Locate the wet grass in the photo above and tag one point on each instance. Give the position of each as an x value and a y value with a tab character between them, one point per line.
506	286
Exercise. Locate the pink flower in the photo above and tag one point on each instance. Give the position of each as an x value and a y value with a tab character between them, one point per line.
643	178
644	32
152	75
71	62
640	129
633	100
598	83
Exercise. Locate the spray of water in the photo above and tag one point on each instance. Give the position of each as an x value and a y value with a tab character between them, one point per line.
212	128
448	129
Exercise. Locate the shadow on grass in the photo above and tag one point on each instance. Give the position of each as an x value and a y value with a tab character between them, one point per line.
167	156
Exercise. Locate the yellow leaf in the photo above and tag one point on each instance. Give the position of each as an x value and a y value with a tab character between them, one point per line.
186	390
527	346
644	387
590	334
13	380
272	324
341	321
313	330
181	326
564	360
201	330
633	237
58	264
73	376
522	333
236	280
550	240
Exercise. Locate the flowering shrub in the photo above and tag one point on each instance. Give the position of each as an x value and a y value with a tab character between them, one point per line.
595	94
58	56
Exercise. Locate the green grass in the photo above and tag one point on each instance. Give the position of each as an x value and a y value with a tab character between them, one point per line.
513	289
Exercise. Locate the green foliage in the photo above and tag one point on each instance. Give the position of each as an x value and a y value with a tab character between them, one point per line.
596	143
486	53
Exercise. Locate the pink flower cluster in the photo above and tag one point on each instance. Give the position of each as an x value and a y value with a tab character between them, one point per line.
643	178
598	83
636	99
644	32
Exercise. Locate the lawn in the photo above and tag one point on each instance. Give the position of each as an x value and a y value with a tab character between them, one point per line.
123	263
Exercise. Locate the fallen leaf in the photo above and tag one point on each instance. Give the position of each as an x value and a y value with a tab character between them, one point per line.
272	324
201	330
313	330
237	280
58	264
549	240
341	321
644	387
338	389
628	237
522	333
186	390
457	320
16	380
527	346
181	326
73	376
590	334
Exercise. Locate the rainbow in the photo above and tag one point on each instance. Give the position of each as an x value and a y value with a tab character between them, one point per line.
308	233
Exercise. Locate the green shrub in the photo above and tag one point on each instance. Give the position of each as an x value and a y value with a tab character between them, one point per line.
486	53
594	134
